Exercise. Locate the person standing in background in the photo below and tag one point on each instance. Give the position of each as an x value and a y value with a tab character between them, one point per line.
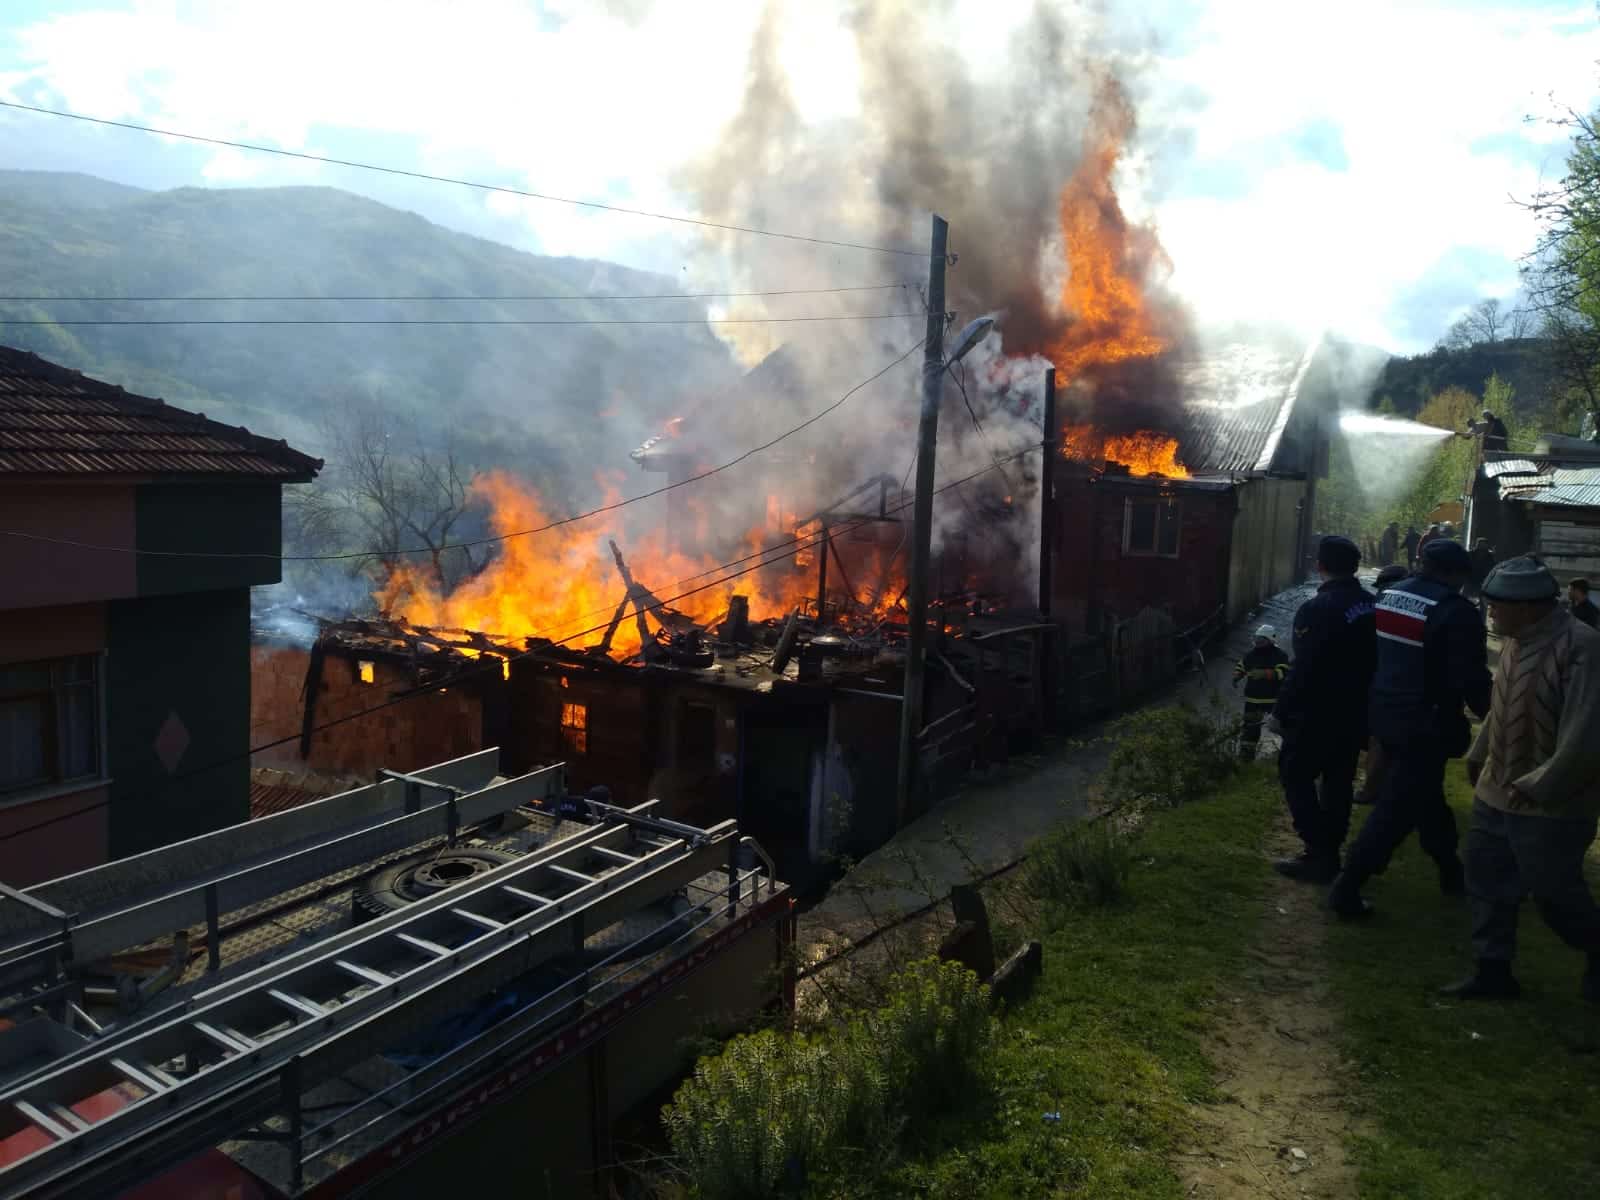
1409	543
1482	563
1583	608
1388	544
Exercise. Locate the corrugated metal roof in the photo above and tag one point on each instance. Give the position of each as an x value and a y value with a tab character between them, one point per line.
1510	466
1240	402
1574	496
55	421
1551	483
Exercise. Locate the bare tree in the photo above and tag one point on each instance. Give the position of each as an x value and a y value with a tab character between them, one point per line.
393	488
1484	324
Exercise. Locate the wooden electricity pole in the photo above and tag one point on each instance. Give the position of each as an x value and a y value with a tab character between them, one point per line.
922	527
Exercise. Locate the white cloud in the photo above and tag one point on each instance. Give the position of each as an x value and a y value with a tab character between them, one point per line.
573	101
1413	90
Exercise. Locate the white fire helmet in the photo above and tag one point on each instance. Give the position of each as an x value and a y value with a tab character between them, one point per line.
1268	632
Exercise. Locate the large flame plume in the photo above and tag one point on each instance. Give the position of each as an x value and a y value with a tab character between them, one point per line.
561	583
1143	453
1106	295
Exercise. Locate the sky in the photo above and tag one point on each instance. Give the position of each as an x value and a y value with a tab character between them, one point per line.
1342	167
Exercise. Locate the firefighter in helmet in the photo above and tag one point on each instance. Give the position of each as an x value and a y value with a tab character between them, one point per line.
1261	670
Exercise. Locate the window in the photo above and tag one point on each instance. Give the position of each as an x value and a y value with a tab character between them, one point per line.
1150	527
575	727
49	722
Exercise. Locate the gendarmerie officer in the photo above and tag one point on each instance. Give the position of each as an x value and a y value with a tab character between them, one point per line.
1322	710
1432	662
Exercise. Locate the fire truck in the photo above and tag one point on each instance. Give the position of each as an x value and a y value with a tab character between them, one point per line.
371	993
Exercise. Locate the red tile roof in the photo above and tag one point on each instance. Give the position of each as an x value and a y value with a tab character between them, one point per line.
55	421
266	799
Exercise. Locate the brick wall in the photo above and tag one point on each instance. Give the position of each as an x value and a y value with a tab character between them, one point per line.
416	732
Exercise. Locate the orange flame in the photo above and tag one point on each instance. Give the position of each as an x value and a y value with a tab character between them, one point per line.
562	583
1143	453
1108	261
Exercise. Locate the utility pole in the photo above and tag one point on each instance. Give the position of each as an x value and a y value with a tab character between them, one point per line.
822	578
1047	492
1047	546
922	527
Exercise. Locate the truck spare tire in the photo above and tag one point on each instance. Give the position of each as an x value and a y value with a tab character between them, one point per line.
421	876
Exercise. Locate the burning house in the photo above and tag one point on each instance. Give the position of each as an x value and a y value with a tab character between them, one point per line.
1205	521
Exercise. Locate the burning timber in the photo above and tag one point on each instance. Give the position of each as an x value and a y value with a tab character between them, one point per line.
779	722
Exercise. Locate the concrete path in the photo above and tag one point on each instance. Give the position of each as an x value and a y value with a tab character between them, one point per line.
992	820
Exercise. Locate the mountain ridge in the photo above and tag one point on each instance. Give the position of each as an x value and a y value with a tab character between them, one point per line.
553	401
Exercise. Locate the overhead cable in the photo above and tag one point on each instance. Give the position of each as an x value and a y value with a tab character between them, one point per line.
502	189
345	556
484	665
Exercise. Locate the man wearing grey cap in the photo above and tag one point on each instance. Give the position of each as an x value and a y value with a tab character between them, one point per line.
1535	767
1432	661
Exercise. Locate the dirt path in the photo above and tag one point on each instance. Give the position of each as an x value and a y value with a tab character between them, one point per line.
1281	1127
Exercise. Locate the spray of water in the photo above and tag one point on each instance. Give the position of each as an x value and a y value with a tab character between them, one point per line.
1365	423
1388	454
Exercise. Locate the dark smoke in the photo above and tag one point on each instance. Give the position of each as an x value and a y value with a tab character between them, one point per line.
987	147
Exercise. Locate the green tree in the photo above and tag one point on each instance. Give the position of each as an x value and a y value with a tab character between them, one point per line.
1562	273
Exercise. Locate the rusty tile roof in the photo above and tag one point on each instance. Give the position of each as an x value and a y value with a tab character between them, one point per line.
55	421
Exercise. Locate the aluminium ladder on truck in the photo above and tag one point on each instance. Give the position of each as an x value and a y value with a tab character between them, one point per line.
244	1051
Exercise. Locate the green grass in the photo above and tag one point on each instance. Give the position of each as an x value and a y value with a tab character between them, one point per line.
1465	1101
1112	1037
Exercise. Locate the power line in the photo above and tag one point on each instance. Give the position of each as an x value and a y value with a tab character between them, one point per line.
868	287
346	556
483	187
483	667
456	321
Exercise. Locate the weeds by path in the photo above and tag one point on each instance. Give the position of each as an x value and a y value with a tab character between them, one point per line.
1112	1040
1467	1101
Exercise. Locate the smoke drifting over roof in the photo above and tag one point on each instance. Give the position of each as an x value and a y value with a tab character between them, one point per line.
1021	160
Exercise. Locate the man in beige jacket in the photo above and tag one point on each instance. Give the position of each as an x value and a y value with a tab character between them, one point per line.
1536	770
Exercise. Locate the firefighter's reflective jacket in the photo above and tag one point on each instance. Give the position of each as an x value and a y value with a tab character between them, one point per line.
1263	669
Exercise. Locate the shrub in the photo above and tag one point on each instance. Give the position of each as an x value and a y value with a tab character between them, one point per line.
1080	865
755	1118
750	1114
1168	756
935	1034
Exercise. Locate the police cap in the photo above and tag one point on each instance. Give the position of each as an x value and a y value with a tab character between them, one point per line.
1447	556
1338	554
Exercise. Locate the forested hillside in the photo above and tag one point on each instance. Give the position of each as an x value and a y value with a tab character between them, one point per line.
558	402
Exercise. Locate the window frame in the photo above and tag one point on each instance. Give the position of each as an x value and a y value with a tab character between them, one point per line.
1160	505
56	725
574	726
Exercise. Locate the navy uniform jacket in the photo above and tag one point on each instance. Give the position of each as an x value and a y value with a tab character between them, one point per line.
1325	695
1432	660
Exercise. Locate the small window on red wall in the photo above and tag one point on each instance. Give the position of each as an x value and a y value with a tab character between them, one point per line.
575	728
1150	527
49	722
